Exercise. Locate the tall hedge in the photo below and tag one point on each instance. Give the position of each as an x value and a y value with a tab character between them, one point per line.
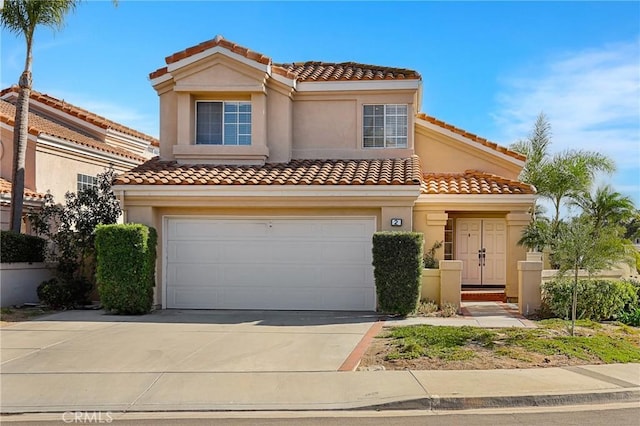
16	247
397	262
126	259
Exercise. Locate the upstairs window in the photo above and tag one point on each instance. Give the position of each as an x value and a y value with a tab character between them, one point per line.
86	182
384	126
223	123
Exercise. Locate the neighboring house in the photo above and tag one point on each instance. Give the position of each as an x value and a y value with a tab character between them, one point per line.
272	178
67	147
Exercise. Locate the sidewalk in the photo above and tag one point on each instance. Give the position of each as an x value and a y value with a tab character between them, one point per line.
474	314
382	390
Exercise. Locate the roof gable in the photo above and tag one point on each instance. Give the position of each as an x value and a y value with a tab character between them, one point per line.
79	113
40	125
311	71
471	138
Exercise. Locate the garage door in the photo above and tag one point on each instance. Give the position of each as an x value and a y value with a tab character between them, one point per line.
288	264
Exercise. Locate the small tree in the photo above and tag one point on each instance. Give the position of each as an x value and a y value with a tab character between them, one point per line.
581	245
71	229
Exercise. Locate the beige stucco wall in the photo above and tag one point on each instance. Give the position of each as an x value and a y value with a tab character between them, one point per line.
288	123
279	122
329	125
56	171
443	154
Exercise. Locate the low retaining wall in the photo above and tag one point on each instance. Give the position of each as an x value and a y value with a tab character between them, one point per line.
19	282
614	274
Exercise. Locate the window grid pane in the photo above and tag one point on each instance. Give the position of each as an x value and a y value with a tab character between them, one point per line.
223	123
86	182
384	126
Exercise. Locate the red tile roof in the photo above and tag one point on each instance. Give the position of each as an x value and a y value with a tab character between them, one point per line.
471	136
83	114
5	188
472	182
40	125
345	71
401	171
300	71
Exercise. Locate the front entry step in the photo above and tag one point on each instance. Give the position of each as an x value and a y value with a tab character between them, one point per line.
483	295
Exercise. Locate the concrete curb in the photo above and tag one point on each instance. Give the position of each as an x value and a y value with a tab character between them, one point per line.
473	403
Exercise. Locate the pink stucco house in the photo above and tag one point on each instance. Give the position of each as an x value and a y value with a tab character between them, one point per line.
67	147
272	178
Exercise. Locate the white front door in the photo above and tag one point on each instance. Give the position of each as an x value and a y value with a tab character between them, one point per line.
270	263
481	245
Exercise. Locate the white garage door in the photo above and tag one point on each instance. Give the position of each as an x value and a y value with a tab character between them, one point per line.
288	264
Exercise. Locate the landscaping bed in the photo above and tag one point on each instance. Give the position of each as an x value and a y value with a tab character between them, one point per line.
426	347
10	316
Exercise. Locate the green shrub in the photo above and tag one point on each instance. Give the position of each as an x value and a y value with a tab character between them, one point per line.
631	317
126	257
597	299
397	262
16	247
64	293
430	261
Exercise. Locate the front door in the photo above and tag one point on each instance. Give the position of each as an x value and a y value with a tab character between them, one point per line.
481	245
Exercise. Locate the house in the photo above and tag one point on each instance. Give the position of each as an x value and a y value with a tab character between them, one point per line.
67	147
272	178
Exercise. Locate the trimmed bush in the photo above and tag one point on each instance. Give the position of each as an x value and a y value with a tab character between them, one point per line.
397	262
597	299
16	247
60	293
126	255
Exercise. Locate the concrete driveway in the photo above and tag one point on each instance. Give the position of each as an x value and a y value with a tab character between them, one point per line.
183	341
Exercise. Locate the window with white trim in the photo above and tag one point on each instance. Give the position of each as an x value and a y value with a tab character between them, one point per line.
86	182
384	126
223	123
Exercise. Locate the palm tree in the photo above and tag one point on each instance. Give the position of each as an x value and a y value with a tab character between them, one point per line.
536	149
606	207
569	174
22	17
560	176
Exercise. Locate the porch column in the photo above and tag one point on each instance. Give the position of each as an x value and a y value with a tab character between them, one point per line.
516	222
529	281
450	282
436	222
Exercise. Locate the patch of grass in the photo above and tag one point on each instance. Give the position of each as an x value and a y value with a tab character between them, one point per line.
513	353
447	343
21	314
593	342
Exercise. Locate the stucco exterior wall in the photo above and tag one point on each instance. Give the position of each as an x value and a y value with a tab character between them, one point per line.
168	123
57	172
279	122
285	123
441	154
330	125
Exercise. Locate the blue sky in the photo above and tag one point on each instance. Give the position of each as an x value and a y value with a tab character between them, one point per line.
488	67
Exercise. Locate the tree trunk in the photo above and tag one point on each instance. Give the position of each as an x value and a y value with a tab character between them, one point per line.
574	302
20	136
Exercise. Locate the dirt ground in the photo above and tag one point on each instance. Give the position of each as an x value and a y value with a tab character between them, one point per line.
10	316
483	359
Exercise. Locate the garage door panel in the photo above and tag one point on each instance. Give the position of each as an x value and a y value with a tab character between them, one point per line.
291	263
193	252
307	298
